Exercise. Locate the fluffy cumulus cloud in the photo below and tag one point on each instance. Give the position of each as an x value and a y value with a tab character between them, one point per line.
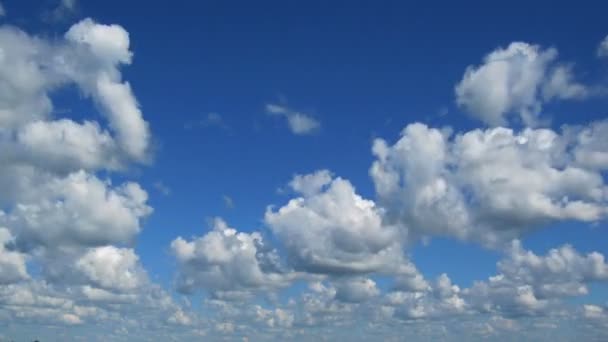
52	198
356	290
89	56
228	263
518	80
111	268
529	284
597	316
490	185
331	229
12	263
64	226
299	123
68	227
77	210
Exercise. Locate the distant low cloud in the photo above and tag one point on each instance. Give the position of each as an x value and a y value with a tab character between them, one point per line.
299	123
602	49
212	119
228	201
65	9
162	188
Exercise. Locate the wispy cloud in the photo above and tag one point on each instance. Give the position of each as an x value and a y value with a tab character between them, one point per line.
212	119
602	49
228	201
299	123
65	9
162	188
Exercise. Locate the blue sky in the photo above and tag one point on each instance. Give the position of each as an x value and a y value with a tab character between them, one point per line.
435	166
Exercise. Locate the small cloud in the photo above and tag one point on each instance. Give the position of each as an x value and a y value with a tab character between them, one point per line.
602	49
2	10
228	202
210	120
299	123
162	188
66	9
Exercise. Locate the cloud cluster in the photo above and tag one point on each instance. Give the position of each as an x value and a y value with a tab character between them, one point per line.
227	263
12	263
51	195
490	185
67	229
529	284
63	227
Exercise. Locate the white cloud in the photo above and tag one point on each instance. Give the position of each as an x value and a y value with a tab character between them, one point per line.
356	290
82	145
112	268
334	230
602	49
74	226
299	123
147	310
437	299
486	185
58	215
515	80
12	263
79	209
2	10
110	43
53	200
227	263
107	46
180	318
312	183
594	311
88	57
590	144
529	284
274	318
560	84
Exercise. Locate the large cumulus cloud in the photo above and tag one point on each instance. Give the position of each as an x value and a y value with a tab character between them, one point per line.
490	185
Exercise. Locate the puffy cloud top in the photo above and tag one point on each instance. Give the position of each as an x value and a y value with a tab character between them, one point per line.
226	262
488	185
334	230
111	267
517	79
